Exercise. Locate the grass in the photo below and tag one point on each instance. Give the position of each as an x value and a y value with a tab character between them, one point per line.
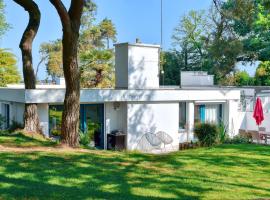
19	139
223	172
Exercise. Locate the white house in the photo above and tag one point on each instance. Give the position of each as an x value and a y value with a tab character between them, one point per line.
138	105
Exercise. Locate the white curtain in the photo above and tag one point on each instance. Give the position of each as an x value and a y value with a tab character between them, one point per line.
211	114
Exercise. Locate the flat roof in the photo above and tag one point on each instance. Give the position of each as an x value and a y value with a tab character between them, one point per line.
57	95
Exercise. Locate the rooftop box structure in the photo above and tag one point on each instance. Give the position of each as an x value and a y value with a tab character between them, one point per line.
196	78
137	66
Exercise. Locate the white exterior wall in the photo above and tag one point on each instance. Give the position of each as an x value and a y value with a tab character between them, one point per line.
196	79
43	112
149	117
190	109
115	119
137	66
232	119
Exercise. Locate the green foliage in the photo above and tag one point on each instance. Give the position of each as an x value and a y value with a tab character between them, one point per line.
172	65
97	68
51	54
2	121
262	76
81	174
207	133
239	78
204	42
8	70
15	126
88	136
4	26
239	139
222	132
56	132
96	60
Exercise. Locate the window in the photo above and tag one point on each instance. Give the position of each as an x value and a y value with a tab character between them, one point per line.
6	115
182	115
210	113
55	119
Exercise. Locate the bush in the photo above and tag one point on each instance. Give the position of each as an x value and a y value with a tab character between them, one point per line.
2	121
239	139
84	138
222	133
15	126
207	133
56	132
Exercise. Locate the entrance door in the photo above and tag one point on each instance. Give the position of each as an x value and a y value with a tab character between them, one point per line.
92	117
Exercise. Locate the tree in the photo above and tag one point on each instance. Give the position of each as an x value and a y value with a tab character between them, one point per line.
206	42
71	22
31	118
239	78
108	31
3	23
8	68
96	62
51	54
262	76
190	37
97	68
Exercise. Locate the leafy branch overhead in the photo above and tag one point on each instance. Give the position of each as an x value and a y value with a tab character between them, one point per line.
95	56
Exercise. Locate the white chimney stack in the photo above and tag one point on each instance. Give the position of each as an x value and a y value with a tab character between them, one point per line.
137	66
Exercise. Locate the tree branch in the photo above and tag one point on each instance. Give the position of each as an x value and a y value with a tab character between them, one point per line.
76	9
62	12
34	21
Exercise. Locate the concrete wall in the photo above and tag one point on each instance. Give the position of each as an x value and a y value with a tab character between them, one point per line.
196	78
137	66
116	118
232	118
143	67
155	95
43	112
121	66
149	117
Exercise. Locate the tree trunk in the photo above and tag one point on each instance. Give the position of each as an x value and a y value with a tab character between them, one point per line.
71	21
71	114
31	119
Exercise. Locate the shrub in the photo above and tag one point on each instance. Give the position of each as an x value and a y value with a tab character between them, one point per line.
56	132
239	139
222	133
84	138
2	121
15	126
207	133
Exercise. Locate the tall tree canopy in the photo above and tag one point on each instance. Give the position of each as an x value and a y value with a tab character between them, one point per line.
204	41
31	118
8	68
96	58
3	23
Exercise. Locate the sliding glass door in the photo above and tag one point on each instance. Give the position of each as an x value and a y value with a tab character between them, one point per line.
91	120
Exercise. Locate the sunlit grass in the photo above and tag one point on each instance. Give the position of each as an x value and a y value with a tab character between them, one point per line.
223	172
20	139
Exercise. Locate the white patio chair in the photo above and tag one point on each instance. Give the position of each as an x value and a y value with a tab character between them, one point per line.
149	142
165	138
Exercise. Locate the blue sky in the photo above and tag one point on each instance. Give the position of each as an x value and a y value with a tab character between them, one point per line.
133	19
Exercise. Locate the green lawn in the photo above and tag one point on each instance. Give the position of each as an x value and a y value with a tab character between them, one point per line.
223	172
22	140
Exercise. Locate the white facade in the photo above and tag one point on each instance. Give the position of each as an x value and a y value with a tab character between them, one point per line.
191	78
137	105
137	66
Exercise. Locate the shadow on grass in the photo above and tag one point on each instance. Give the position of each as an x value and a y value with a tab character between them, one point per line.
193	174
19	139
